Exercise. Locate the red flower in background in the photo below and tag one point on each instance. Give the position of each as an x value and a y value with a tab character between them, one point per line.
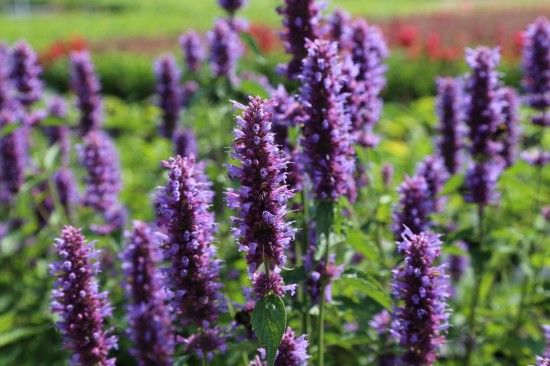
62	48
407	35
266	37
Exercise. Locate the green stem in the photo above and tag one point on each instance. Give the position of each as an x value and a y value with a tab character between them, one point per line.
300	249
204	362
478	275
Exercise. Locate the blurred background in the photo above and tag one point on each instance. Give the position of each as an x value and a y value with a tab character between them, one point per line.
126	35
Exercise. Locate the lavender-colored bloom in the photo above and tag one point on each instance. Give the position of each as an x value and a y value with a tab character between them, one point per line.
6	86
231	6
481	183
457	264
168	75
414	206
449	110
320	274
147	313
387	175
381	322
292	350
546	330
368	52
435	174
115	218
77	300
193	50
421	319
57	108
543	361
300	19
508	131
67	191
326	138
536	157
13	156
100	158
536	68
338	29
483	105
86	85
188	91
545	213
25	73
261	227
225	50
205	343
182	209
185	143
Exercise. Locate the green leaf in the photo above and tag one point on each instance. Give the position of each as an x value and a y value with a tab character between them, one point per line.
251	87
269	322
360	282
7	129
20	333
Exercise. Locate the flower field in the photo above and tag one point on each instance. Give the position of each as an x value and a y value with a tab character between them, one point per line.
275	183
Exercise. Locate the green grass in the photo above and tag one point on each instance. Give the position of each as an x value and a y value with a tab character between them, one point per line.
149	18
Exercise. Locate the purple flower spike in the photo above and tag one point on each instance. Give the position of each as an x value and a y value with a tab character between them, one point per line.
76	298
169	93
536	157
300	19
481	183
13	156
261	227
193	50
421	319
150	329
6	85
435	174
100	158
185	143
449	110
387	175
86	85
536	68
381	322
326	135
338	29
414	206
205	343
182	209
508	132
292	350
543	361
457	264
483	105
25	74
321	273
368	52
225	50
231	6
57	108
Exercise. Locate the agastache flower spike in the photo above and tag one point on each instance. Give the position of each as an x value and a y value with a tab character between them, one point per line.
182	209
435	174
86	85
13	156
449	110
59	134
326	132
150	329
185	143
536	68
6	87
481	182
292	350
231	6
422	288
169	93
76	298
543	361
338	29
100	158
508	132
260	227
414	206
225	50
25	74
193	50
300	19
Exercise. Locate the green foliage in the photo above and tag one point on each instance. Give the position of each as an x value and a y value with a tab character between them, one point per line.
269	323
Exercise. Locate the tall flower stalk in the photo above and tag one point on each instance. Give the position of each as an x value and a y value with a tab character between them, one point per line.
76	298
13	156
182	209
25	73
327	143
449	105
169	93
225	50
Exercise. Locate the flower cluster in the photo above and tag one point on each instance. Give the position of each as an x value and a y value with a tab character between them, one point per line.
225	50
414	207
150	328
321	273
25	73
100	158
300	19
481	182
13	157
338	29
261	226
77	300
185	143
457	264
536	68
292	350
543	361
508	131
435	174
193	50
326	132
86	85
421	319
182	210
168	75
449	111
381	322
231	6
6	99
67	191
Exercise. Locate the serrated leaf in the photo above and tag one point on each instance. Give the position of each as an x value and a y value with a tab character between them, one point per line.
365	284
269	323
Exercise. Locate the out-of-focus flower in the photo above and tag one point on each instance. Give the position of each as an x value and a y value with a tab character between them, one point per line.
338	29
387	175
86	85
508	132
414	207
225	50
451	130
185	143
481	182
169	93
435	174
231	6
193	50
381	322
25	73
13	156
536	157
